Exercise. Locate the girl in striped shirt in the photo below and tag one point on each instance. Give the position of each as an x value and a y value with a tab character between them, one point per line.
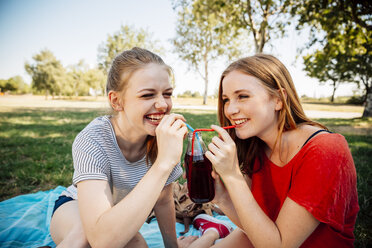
124	163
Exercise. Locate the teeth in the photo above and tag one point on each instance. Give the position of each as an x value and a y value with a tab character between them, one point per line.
237	122
155	117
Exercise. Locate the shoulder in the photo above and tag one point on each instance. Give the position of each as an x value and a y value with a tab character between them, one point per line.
313	137
96	129
96	126
328	142
98	133
326	152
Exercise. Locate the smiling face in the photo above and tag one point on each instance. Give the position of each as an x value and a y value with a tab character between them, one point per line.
249	106
146	99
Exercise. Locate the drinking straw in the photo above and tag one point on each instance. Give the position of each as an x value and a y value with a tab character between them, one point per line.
202	129
192	129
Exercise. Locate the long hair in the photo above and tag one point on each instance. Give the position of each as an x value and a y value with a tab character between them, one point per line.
275	77
122	68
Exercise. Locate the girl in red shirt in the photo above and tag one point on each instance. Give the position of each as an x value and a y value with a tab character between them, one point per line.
284	180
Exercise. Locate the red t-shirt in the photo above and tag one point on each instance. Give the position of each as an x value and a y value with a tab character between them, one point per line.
321	177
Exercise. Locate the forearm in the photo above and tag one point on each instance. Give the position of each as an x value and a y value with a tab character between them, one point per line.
130	213
259	228
166	216
228	209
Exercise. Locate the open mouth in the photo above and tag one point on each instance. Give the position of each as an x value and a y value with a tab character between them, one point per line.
155	118
240	122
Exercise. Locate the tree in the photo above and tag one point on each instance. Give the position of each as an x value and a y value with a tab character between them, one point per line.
47	73
84	80
323	65
96	79
343	26
201	38
16	85
263	19
126	38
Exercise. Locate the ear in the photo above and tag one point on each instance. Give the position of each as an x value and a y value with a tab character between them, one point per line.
114	98
279	102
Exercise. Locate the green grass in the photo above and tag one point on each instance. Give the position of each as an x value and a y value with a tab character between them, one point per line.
35	152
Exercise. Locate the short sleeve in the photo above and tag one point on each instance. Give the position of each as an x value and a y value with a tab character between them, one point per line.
175	174
90	162
324	181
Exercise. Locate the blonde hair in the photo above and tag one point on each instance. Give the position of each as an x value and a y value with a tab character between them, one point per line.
276	79
121	70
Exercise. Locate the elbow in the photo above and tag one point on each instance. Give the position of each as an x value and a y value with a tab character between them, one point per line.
100	240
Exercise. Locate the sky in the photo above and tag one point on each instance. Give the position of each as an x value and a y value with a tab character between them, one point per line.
74	29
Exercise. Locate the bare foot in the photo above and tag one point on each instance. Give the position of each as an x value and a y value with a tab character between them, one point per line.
184	242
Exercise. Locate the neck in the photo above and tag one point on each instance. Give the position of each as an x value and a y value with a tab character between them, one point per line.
127	139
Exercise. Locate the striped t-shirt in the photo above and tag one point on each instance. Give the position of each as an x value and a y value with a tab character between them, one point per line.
96	155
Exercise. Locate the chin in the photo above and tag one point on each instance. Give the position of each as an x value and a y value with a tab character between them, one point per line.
151	130
242	135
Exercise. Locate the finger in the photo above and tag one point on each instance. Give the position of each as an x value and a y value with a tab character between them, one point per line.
182	131
210	156
163	120
178	124
170	119
191	238
223	133
218	142
178	117
215	175
218	182
215	150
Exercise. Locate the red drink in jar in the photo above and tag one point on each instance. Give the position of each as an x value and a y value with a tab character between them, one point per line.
200	182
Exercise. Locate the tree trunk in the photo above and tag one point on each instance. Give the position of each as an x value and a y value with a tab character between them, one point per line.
368	108
205	80
334	91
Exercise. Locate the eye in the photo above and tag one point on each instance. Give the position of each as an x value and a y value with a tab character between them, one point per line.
168	94
225	100
147	95
243	96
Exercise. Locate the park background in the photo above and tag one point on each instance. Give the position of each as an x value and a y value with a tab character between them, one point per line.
55	54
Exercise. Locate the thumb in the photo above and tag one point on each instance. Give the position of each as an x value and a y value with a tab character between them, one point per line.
215	175
216	178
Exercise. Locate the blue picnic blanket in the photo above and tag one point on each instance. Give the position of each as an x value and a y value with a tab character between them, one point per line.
25	219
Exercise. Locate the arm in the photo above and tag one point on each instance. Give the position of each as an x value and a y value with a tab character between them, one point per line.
166	216
223	200
294	223
99	215
125	218
292	227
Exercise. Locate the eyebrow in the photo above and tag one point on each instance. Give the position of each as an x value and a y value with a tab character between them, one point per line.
152	90
236	92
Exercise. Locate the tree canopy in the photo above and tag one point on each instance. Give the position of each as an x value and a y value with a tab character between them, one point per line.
124	39
201	38
262	19
50	77
340	36
47	73
14	84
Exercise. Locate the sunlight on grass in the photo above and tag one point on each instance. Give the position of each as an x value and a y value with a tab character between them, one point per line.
332	107
35	148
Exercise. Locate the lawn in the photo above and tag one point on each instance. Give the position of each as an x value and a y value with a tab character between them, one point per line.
35	151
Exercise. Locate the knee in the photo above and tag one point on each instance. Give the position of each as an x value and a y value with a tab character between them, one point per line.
137	241
76	238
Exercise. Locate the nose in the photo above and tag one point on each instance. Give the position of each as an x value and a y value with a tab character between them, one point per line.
161	103
231	108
